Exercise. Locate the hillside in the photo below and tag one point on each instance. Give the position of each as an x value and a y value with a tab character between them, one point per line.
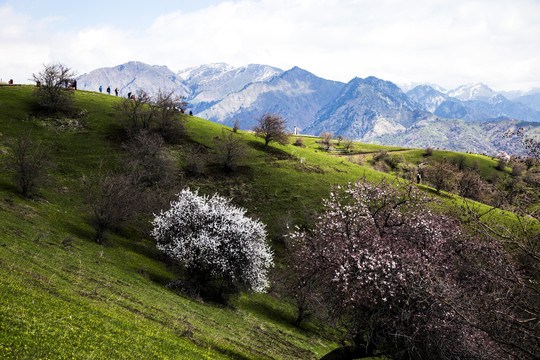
63	296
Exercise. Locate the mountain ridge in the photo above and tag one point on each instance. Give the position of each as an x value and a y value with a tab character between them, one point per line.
373	108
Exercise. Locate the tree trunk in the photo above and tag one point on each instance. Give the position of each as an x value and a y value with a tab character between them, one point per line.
303	313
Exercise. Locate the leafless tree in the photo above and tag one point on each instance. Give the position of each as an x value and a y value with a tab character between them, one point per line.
137	113
147	159
471	185
348	144
326	140
441	175
53	92
168	109
229	150
27	160
236	125
271	128
113	199
194	161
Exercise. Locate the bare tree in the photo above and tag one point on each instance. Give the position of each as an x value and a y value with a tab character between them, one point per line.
348	144
441	175
147	159
53	92
27	160
326	140
168	108
229	150
137	113
113	199
271	128
194	160
236	125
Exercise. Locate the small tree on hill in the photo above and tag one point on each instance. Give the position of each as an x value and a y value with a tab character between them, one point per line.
27	160
113	199
137	113
326	140
168	109
441	174
54	93
229	150
215	242
348	144
147	160
271	127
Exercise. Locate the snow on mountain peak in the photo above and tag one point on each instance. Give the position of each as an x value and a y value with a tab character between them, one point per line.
477	91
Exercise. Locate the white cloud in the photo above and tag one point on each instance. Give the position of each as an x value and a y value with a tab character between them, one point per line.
441	41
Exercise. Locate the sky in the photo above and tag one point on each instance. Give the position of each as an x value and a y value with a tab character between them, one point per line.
444	42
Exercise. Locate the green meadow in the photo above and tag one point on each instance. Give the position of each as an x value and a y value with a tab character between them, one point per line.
63	296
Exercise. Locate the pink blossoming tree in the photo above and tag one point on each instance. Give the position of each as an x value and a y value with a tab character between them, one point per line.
404	280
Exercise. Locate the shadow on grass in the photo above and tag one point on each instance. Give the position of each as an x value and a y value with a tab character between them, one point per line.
278	154
9	187
230	353
269	312
81	232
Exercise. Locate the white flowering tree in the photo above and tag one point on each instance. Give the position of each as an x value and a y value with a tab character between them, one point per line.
214	240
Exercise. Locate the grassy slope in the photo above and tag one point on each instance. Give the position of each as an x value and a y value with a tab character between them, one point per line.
63	296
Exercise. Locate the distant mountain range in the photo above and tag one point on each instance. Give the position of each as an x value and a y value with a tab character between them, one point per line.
469	118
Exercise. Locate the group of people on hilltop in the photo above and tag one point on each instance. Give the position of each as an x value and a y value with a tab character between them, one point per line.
116	91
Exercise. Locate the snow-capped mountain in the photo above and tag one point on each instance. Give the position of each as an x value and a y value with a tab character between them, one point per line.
367	108
295	94
469	92
132	76
212	82
427	97
406	87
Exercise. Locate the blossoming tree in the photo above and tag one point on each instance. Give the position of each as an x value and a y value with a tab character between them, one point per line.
214	240
404	280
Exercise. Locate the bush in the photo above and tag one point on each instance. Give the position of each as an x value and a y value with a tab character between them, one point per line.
54	93
195	162
428	151
299	142
501	165
214	240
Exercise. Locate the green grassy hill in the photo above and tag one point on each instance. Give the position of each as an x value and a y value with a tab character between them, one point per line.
63	296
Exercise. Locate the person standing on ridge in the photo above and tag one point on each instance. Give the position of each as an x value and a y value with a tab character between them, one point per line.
116	91
100	88
109	90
